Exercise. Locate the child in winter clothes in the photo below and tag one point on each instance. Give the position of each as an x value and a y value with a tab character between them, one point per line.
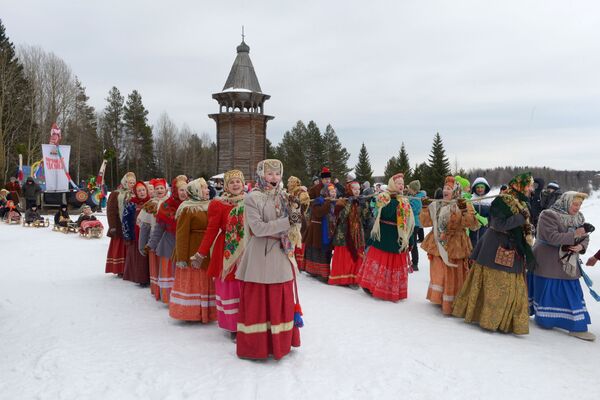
414	190
62	218
480	189
32	215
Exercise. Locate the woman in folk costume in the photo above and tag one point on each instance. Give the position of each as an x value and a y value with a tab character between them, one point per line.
193	294
319	237
115	259
349	239
495	292
298	197
136	264
269	312
146	221
384	272
162	237
225	235
554	289
447	245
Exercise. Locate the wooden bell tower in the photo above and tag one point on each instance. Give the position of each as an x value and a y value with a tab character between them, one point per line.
241	122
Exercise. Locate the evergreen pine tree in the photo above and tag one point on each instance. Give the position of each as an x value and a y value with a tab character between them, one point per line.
112	132
438	166
271	150
336	156
313	147
419	173
363	169
15	92
391	168
140	144
293	152
403	164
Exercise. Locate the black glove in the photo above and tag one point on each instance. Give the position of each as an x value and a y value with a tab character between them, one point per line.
426	201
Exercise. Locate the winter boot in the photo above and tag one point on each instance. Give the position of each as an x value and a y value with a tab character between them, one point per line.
589	336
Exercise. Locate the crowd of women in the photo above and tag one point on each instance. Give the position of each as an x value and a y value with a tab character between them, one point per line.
234	259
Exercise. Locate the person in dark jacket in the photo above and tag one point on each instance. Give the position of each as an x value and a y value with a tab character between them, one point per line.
31	191
479	189
62	218
32	215
495	292
536	199
549	195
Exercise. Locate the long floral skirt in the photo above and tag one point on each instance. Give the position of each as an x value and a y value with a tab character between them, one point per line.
193	296
558	303
136	265
266	320
317	260
166	278
228	302
385	274
115	259
343	267
154	266
496	300
445	282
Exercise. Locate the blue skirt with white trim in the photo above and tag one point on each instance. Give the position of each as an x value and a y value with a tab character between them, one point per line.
558	303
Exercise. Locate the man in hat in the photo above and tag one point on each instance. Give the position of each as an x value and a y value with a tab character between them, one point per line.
315	190
550	195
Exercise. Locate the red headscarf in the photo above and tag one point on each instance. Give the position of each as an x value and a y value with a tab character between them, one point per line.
135	199
168	208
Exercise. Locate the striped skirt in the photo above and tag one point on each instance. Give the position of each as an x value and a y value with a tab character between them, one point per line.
384	274
193	296
445	282
154	266
166	278
316	261
266	320
558	303
228	302
343	267
115	259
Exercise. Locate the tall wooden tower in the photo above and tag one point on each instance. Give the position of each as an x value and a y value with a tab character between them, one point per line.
241	122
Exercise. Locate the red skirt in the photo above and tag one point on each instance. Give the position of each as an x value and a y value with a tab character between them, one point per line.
115	259
154	265
166	277
343	267
136	265
193	296
266	320
385	274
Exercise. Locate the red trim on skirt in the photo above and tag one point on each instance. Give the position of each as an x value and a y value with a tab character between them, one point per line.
166	278
299	254
343	267
193	296
266	320
385	274
115	258
154	266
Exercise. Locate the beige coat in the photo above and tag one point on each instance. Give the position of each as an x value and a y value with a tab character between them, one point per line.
264	261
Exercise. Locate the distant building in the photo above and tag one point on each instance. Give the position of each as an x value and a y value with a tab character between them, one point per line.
241	122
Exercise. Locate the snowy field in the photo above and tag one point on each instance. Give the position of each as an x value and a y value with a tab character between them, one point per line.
69	331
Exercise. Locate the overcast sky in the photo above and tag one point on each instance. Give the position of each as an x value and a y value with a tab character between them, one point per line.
505	82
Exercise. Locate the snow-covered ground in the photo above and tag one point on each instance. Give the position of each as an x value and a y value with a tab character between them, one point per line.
69	331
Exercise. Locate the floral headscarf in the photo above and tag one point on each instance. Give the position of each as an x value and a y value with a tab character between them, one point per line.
196	200
562	206
235	235
124	194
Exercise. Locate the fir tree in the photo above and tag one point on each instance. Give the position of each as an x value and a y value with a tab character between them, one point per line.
391	168
271	150
112	130
363	169
403	164
313	147
140	144
438	166
15	112
336	155
293	152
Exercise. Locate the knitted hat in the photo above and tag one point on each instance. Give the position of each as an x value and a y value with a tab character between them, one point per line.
350	177
415	185
464	182
325	173
553	185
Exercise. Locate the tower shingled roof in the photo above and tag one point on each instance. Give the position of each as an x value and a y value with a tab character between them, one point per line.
242	74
